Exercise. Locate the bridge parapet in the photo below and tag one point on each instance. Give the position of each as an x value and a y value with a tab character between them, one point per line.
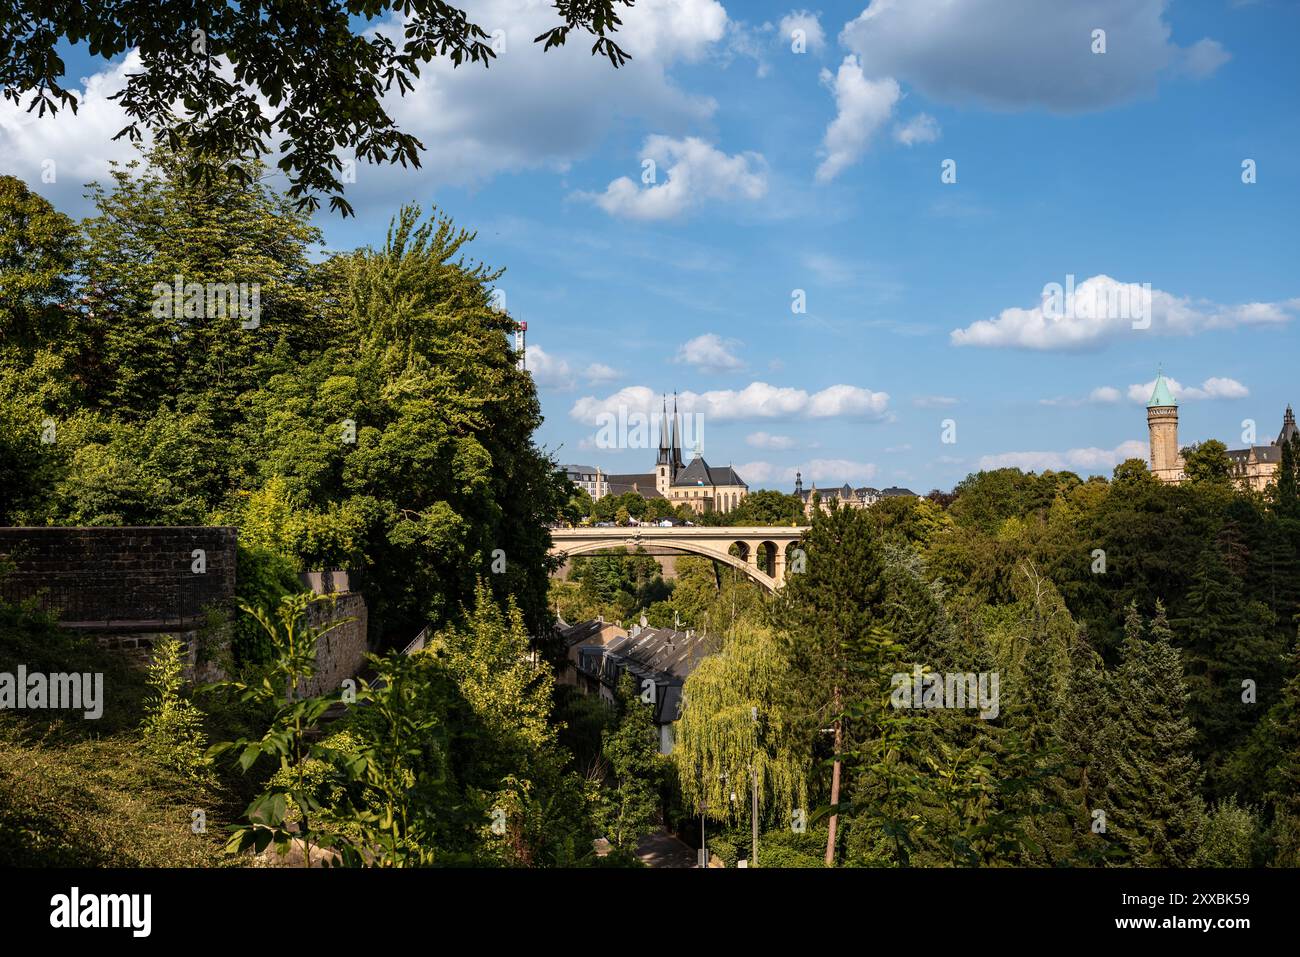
706	541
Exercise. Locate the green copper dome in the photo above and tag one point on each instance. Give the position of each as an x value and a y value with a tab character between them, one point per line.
1161	394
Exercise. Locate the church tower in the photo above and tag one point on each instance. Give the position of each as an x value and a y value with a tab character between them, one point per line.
1162	423
663	465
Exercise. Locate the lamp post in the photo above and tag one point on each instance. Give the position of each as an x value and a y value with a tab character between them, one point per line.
704	858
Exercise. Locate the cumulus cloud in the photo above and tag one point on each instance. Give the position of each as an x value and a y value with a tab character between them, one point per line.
533	109
1102	309
80	145
548	371
530	110
1074	460
922	128
709	353
758	400
753	472
765	440
862	106
687	172
598	373
809	23
1215	387
1018	54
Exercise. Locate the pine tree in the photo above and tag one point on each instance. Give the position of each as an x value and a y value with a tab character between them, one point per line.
1283	779
1154	808
829	619
1286	490
1226	641
1088	754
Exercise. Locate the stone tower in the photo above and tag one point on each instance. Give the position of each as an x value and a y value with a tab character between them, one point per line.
1162	422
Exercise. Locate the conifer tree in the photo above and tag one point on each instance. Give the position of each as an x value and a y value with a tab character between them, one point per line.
1226	640
829	619
1283	779
1088	754
1155	810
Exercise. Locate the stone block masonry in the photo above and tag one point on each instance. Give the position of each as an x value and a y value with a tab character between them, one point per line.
341	651
129	586
121	577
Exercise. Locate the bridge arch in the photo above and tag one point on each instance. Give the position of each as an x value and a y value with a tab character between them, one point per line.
691	548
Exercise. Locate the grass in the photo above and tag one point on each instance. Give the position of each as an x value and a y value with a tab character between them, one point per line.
76	792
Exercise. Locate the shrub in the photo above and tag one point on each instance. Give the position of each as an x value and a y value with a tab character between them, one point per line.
173	726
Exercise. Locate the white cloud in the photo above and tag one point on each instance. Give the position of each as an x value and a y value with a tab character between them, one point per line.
1101	309
934	401
709	353
1073	460
1017	54
809	23
765	440
922	128
531	109
847	400
1204	56
80	144
758	400
754	472
598	373
688	172
1104	393
862	107
628	400
548	371
1215	387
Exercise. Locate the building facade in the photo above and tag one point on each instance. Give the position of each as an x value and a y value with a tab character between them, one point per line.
1253	468
845	496
589	479
696	484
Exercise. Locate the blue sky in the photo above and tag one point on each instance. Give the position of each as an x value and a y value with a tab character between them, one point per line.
820	171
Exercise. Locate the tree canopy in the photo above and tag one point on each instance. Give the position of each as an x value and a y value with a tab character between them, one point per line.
215	75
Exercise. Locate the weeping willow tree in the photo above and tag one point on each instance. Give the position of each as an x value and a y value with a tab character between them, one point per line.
718	741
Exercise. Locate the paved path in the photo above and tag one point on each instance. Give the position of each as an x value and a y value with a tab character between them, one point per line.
662	849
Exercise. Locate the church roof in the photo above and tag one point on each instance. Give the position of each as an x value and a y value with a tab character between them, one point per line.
644	484
1161	395
699	473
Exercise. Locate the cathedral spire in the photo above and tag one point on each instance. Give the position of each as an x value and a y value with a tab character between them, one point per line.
677	463
663	435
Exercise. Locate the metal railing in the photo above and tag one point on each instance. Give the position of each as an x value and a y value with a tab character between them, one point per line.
175	601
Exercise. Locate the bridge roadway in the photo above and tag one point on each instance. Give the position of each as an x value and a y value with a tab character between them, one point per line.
710	542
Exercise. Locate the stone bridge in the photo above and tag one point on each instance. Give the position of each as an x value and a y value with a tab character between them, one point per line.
773	543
